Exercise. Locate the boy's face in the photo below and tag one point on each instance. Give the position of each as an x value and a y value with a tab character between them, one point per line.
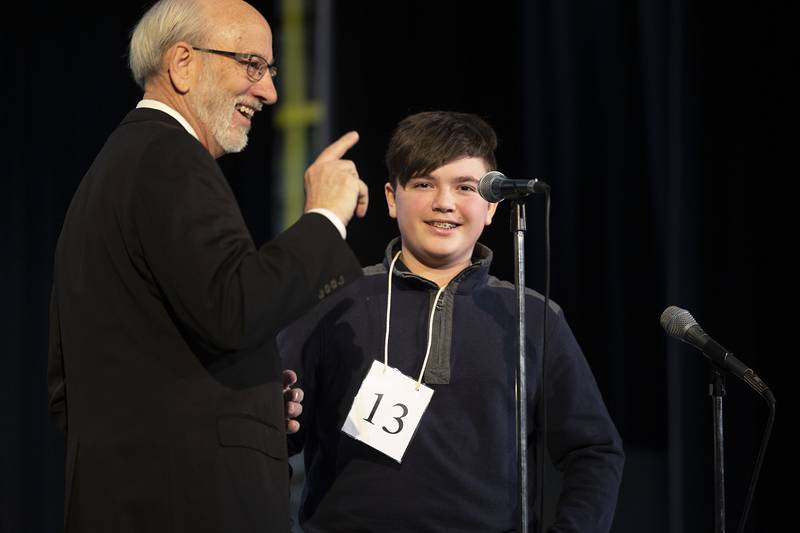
441	215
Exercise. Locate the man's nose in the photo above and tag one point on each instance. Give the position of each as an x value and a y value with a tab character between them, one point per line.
265	90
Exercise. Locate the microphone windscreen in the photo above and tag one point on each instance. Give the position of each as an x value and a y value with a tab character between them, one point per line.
676	321
485	186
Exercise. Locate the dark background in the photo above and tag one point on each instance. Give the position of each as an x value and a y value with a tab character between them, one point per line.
661	126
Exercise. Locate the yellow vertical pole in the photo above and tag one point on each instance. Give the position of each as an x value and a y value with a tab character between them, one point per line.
294	114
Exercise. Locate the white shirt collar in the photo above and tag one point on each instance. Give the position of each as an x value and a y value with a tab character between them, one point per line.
161	106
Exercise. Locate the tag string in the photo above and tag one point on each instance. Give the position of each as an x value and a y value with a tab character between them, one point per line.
388	315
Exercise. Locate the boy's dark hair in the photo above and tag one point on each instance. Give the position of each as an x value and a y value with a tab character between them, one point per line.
423	142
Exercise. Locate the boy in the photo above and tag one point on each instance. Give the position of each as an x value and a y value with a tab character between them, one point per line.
432	446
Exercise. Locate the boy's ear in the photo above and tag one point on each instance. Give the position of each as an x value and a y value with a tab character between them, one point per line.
390	199
490	213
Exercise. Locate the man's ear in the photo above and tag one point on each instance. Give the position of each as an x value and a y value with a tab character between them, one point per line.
182	66
490	213
391	200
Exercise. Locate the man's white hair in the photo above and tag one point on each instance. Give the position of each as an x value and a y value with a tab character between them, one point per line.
163	25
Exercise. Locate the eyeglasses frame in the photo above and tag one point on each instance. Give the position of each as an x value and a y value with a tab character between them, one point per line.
248	61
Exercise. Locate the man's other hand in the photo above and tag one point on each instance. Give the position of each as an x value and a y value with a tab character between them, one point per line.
292	396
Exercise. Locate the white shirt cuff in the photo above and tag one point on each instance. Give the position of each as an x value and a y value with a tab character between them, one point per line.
330	215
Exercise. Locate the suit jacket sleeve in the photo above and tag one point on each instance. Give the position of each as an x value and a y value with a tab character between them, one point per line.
227	294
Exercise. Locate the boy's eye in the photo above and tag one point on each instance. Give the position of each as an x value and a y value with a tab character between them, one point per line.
421	185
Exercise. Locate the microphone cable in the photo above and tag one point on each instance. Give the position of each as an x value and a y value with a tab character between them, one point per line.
751	489
541	440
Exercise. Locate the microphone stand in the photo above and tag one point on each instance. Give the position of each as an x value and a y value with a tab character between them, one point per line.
717	392
518	228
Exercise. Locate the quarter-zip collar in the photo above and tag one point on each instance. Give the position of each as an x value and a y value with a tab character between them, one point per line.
470	278
437	370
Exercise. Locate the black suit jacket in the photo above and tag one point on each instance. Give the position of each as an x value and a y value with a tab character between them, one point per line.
162	366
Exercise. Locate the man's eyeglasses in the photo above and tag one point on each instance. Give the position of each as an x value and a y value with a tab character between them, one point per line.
257	66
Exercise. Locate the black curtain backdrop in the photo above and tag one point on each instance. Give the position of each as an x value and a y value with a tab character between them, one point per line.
659	124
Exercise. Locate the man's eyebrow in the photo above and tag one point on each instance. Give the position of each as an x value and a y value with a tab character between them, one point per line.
256	54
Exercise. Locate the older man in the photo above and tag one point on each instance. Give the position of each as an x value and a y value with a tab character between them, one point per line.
163	314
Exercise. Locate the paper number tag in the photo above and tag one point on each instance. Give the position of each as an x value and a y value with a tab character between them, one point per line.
387	410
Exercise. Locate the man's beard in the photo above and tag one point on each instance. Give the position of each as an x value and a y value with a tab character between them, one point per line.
216	111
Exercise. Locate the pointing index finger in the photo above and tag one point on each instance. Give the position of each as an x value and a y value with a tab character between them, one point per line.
339	147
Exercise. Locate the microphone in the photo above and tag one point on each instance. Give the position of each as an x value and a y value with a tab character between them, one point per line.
494	186
679	323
